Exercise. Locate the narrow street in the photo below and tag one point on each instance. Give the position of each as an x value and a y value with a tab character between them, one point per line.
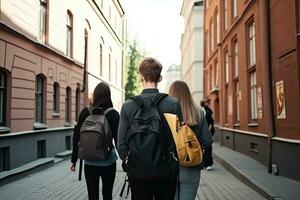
58	182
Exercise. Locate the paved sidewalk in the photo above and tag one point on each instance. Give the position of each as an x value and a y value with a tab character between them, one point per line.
57	182
255	175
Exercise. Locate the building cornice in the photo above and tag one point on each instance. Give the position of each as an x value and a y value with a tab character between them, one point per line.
39	44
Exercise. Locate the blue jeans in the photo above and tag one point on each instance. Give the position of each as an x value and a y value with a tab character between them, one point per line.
189	179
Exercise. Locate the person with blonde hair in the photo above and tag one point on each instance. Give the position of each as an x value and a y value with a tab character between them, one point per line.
189	177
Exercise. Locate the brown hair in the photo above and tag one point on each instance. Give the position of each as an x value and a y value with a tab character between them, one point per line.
190	111
150	69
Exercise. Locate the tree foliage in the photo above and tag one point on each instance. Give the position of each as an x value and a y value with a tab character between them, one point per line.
133	58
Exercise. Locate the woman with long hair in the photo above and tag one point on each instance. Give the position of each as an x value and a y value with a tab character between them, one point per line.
189	177
106	169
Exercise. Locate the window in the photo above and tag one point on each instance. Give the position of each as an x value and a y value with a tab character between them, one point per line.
78	101
253	95
226	67
42	20
212	35
215	29
101	60
216	71
56	97
251	45
235	59
212	81
226	103
237	101
109	66
41	149
4	158
218	28
225	14
69	51
234	8
68	105
39	99
3	95
68	142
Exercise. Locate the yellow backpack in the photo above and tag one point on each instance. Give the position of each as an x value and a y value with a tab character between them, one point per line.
188	147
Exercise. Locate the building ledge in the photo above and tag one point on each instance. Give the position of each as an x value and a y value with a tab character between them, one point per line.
216	89
68	124
39	126
4	129
253	124
55	114
236	125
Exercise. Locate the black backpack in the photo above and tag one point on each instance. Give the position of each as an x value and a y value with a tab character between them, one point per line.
95	136
152	153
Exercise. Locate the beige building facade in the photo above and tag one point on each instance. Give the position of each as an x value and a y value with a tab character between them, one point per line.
52	55
192	47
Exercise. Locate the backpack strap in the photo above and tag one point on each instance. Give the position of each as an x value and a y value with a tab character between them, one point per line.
138	100
108	110
158	97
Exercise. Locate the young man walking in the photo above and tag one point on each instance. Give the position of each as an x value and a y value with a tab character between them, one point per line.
145	144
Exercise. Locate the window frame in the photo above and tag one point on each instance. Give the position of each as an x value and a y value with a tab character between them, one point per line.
56	97
101	59
235	58
251	44
69	35
3	90
234	13
225	15
226	66
253	106
68	106
40	97
78	101
43	15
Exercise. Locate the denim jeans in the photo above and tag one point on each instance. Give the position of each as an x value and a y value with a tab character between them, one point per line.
189	179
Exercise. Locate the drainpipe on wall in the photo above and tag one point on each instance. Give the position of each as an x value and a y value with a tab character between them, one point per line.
267	78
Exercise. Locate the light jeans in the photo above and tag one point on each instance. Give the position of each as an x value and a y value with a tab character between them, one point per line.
189	179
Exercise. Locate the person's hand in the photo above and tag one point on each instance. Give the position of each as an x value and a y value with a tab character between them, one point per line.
73	167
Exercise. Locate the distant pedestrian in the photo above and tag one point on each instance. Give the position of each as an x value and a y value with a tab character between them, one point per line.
189	177
104	167
145	143
208	159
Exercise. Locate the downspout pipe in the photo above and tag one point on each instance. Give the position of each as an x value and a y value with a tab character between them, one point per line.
267	78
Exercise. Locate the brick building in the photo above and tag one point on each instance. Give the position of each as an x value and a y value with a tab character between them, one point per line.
52	55
252	78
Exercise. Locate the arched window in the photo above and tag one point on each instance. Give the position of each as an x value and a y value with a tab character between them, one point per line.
69	50
56	97
3	94
68	105
40	99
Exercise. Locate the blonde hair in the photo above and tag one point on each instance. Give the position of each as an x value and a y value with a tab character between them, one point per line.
190	111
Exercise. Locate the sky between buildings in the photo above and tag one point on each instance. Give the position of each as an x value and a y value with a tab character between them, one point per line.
157	25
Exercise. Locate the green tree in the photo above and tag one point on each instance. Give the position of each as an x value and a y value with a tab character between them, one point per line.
133	58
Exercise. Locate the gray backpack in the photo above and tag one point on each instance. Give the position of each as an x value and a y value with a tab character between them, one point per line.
95	136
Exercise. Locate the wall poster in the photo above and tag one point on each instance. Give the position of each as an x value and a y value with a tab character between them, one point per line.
280	100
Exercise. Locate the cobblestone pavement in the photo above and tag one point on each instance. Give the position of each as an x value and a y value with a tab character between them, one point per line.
58	182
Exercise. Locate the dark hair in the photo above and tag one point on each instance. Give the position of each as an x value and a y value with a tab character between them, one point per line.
150	69
102	96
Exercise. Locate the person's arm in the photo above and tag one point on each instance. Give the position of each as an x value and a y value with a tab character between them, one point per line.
205	135
122	131
76	136
113	120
